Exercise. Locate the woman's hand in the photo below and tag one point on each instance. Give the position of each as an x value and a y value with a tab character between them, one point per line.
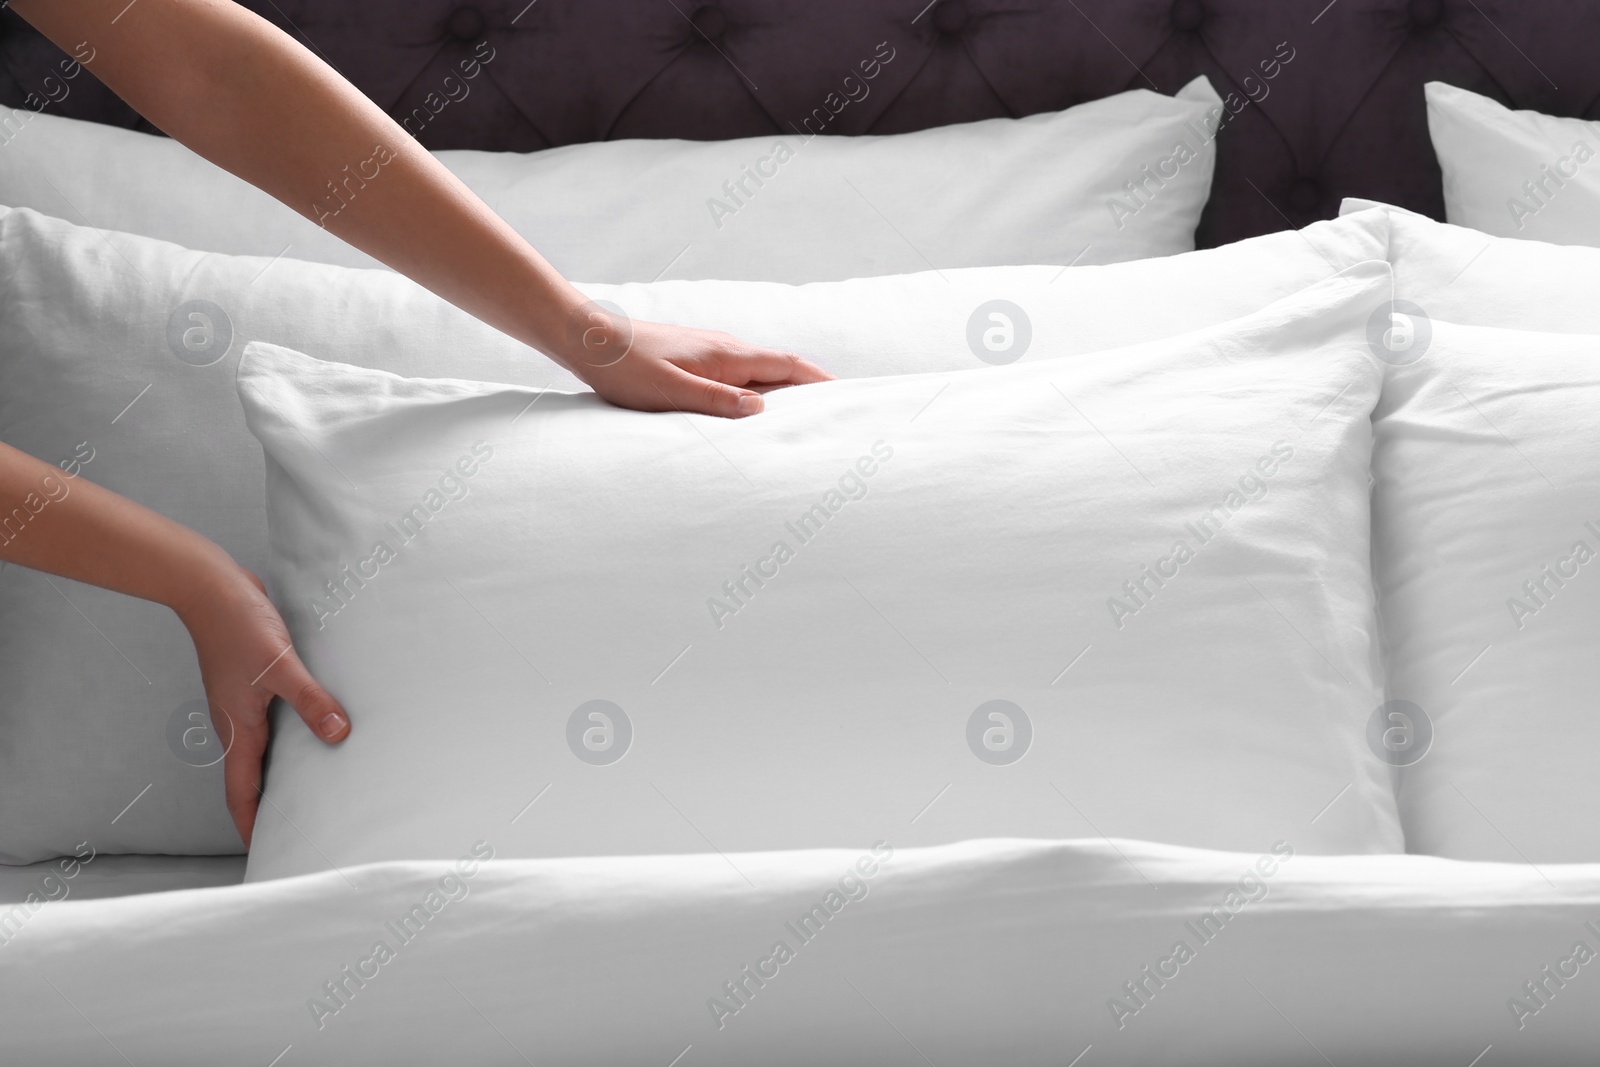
244	95
87	533
246	659
651	366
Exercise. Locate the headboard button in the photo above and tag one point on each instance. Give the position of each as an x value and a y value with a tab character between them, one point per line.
466	24
1426	13
709	20
1305	196
951	16
1187	15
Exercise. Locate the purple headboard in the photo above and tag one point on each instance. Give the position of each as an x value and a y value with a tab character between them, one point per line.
1343	117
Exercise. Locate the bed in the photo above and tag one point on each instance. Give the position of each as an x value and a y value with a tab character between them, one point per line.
1328	937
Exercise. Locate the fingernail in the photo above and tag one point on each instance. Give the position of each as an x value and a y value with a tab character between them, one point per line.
331	724
749	404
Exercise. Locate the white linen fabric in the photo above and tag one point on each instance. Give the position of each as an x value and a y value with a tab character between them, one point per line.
984	953
119	365
1481	477
1463	276
1515	173
975	595
88	875
1120	178
1487	528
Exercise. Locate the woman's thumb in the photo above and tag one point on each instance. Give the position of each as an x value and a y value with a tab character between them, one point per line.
314	704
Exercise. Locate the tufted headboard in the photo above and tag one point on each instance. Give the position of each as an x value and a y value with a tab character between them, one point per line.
1344	116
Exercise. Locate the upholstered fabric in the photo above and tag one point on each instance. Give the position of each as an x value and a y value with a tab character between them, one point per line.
1343	117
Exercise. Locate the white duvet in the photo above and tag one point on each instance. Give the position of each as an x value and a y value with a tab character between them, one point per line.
989	952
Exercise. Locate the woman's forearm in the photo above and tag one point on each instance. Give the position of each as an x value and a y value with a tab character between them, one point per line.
66	525
241	93
62	524
247	97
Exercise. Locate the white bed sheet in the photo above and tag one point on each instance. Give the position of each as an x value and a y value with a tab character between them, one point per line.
987	952
115	876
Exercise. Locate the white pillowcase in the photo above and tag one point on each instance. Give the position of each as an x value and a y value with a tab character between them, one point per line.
1515	173
1124	595
1482	467
1461	275
98	322
1487	535
1116	179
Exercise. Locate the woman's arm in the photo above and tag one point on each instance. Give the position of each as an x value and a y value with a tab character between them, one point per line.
66	525
244	95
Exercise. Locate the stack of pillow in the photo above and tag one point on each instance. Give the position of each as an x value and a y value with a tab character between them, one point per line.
1215	548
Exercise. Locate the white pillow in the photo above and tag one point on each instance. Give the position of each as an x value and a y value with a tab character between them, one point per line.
1116	179
1461	509
1515	173
920	606
1487	531
1461	275
105	357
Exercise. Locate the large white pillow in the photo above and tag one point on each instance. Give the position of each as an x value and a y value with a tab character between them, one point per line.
1464	276
1515	173
1487	535
1126	594
123	349
1483	462
1116	179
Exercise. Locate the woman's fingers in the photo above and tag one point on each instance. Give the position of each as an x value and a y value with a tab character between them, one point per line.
241	767
771	367
247	730
683	390
289	679
677	368
731	384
